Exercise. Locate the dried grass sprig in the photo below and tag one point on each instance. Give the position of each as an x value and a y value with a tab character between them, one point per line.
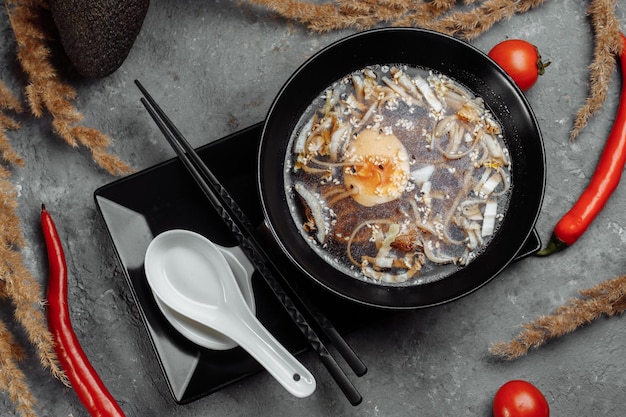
8	102
436	14
466	19
317	17
19	285
16	350
12	379
25	294
423	14
470	24
605	299
46	93
607	47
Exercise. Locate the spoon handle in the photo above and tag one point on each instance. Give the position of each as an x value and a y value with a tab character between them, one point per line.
252	336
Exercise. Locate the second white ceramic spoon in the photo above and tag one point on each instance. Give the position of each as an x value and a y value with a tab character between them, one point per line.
190	275
203	335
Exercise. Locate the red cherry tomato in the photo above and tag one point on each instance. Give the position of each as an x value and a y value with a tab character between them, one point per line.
520	399
521	60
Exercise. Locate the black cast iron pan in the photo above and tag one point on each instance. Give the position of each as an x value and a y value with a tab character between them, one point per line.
463	63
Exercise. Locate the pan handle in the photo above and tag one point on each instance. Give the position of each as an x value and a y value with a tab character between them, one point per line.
532	245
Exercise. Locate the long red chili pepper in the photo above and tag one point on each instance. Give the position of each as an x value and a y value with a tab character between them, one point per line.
603	182
88	386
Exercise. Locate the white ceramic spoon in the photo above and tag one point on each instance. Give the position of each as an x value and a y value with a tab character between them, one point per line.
197	332
190	275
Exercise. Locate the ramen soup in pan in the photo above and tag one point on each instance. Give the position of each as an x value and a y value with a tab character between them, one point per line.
394	171
401	168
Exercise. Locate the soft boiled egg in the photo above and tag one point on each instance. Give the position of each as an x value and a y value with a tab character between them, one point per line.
379	168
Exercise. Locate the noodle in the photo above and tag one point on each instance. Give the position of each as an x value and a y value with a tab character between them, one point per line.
394	171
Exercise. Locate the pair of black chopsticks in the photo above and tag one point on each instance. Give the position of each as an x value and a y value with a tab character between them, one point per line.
243	230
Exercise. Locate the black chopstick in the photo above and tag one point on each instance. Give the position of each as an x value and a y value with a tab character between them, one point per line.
245	225
243	229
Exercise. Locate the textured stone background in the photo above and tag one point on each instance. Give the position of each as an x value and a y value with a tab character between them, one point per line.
218	66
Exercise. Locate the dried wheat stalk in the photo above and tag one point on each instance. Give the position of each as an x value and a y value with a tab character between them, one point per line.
46	92
8	102
434	14
25	292
607	47
12	379
472	23
466	19
18	286
605	299
16	283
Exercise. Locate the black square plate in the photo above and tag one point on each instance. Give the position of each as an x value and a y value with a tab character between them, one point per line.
138	207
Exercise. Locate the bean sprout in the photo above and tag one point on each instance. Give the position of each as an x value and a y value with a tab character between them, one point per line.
398	170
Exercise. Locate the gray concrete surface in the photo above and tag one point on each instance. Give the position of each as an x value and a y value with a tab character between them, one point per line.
218	64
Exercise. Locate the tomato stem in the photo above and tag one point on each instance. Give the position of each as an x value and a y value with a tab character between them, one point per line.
542	65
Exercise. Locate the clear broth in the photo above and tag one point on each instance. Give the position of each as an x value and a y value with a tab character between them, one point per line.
396	182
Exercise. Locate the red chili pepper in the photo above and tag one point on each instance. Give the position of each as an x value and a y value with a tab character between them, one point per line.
603	182
88	386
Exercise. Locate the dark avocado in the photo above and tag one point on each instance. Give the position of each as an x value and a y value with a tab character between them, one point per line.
98	35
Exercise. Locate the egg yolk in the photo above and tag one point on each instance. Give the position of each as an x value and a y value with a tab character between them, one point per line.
380	168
